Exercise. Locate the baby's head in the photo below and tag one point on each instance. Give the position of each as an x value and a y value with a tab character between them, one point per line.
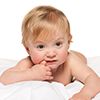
43	22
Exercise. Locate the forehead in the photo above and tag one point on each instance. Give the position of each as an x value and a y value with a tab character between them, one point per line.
50	36
47	31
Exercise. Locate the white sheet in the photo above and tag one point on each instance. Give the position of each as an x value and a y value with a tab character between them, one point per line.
37	90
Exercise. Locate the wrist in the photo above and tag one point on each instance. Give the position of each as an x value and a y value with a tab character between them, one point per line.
29	74
87	94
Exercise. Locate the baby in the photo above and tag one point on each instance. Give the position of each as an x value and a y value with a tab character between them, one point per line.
46	37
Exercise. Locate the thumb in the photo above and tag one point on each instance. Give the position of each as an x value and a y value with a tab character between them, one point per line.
43	62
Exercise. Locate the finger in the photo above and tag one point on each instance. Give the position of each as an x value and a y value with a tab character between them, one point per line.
48	69
49	77
49	73
43	62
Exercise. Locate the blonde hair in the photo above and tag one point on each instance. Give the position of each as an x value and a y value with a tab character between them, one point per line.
44	19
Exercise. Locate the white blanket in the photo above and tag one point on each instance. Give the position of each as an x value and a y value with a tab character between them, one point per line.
39	90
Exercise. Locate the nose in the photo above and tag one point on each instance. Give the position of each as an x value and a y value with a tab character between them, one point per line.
51	54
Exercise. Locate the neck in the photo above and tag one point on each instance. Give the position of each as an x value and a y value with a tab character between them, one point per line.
60	68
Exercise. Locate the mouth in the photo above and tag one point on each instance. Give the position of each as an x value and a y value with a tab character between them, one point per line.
51	62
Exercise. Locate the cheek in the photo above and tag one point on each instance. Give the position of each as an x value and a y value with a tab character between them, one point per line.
63	55
36	57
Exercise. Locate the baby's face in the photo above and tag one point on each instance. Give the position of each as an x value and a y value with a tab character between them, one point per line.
53	50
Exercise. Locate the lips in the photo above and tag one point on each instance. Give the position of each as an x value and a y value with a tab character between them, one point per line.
51	62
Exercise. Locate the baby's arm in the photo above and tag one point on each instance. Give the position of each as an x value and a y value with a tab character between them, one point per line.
26	71
83	73
16	73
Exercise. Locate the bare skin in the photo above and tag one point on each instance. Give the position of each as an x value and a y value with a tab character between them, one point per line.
26	70
63	73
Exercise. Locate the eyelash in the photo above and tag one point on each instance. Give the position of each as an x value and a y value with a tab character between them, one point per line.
40	46
59	44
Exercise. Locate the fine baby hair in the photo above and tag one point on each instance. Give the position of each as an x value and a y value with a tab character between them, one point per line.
42	20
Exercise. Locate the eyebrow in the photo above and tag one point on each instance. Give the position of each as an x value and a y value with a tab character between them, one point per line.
38	42
61	38
41	41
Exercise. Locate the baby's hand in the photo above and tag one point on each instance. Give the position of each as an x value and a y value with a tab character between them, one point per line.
79	96
41	72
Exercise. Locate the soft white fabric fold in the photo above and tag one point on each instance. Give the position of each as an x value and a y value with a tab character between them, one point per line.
41	90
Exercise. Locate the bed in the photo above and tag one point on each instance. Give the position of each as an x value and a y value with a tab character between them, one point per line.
41	90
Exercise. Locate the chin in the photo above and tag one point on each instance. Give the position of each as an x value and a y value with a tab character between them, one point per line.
53	67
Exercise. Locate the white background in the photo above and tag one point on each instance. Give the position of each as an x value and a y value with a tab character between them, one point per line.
83	15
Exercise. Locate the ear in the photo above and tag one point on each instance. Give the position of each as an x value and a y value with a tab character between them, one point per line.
68	45
27	49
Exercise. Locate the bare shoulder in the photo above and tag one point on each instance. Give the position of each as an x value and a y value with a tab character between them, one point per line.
24	63
74	55
76	60
78	65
